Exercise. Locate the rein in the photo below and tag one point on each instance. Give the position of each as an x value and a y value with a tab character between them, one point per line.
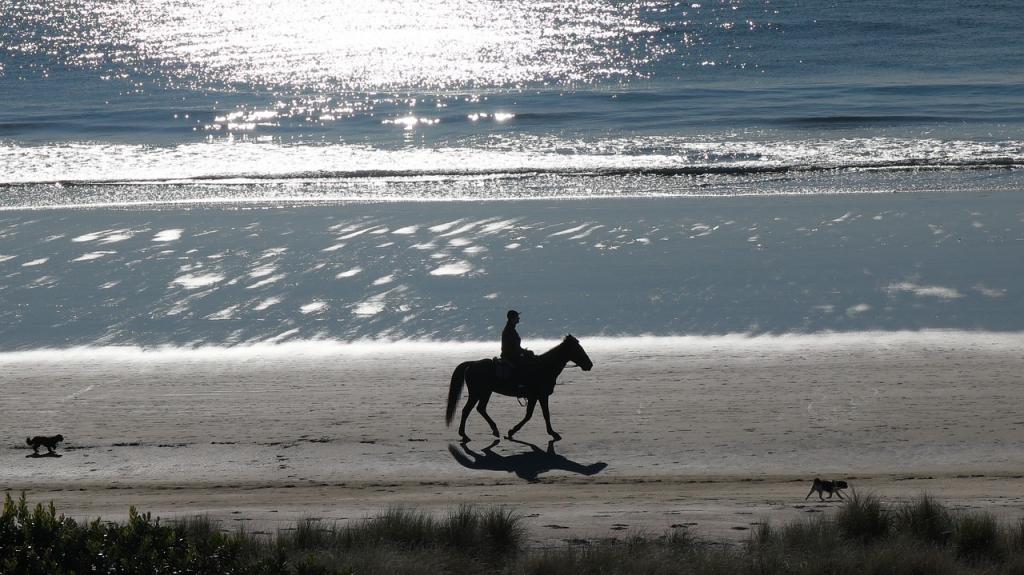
574	365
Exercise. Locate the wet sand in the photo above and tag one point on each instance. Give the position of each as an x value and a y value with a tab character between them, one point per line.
254	272
708	433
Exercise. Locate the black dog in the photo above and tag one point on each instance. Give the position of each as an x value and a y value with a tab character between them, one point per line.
831	487
49	442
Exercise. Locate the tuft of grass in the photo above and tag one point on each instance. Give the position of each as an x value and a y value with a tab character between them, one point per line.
308	534
636	554
396	526
925	519
863	518
815	535
907	557
1015	537
460	528
196	527
502	530
977	537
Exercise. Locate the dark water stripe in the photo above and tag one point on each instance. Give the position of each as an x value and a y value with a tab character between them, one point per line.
827	121
907	164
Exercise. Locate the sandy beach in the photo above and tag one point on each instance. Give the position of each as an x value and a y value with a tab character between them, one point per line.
710	433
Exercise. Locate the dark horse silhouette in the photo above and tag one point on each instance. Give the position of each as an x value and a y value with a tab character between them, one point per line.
481	379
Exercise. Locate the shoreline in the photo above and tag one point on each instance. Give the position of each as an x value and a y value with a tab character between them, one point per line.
993	340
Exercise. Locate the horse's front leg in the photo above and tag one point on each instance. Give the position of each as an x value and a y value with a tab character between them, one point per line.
530	404
547	417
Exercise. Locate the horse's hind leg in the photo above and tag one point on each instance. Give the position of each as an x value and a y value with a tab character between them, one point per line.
470	403
530	404
482	408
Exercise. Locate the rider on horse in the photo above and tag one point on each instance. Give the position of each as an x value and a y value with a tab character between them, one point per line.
512	353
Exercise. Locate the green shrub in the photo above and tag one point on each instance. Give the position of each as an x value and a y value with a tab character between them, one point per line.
38	540
861	537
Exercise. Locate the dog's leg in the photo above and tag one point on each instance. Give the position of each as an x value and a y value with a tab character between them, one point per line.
809	493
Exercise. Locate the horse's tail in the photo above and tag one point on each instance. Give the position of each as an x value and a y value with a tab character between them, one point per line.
455	390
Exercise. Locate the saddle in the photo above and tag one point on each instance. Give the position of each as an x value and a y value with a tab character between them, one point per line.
512	374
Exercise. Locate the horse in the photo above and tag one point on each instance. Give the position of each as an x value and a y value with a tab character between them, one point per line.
481	379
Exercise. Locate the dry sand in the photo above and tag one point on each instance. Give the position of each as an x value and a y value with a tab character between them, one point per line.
711	433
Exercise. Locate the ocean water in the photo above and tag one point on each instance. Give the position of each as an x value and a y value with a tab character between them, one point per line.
223	171
412	100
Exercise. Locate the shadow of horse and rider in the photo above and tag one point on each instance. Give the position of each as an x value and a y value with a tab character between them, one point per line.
526	465
534	381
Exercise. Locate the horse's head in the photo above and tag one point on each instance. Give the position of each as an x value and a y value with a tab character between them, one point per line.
577	354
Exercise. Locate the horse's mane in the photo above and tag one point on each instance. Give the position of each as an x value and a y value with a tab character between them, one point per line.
553	351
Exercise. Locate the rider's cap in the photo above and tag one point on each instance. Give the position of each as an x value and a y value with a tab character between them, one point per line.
512	313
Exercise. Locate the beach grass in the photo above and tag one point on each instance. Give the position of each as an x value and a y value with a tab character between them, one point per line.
864	535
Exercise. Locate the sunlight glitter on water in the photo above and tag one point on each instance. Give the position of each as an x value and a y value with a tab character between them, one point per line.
382	45
221	160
